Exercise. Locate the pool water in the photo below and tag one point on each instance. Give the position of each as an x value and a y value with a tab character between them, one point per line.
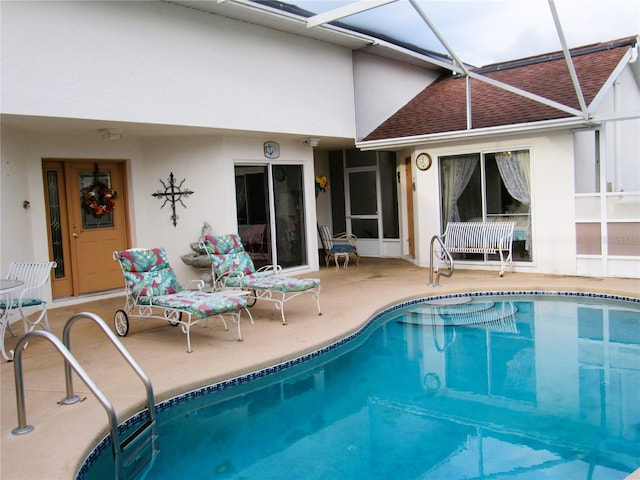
451	388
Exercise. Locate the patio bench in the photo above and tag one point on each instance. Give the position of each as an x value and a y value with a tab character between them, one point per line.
480	237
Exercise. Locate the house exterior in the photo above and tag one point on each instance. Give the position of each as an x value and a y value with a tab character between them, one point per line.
131	124
519	141
231	100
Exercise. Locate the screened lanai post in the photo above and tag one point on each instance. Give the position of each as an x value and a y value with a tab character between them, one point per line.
514	170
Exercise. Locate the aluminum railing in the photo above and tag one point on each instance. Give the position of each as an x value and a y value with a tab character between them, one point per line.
431	263
72	364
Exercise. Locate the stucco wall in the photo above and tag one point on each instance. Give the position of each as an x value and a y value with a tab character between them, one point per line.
552	207
24	232
206	163
161	63
382	87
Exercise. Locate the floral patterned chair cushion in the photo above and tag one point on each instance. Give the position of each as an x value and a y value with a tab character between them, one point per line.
199	304
148	271
239	263
269	281
224	244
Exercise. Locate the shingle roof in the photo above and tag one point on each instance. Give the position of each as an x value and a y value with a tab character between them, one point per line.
441	107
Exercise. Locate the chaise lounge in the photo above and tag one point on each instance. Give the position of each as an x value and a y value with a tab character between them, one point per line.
232	268
153	291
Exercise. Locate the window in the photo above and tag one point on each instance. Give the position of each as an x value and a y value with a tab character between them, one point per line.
489	187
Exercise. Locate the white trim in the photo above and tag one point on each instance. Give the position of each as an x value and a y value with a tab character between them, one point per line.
611	80
536	127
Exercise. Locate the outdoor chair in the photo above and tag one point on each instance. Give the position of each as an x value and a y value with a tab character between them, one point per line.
26	296
232	268
342	245
153	291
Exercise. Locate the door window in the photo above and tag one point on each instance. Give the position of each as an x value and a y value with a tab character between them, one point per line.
97	199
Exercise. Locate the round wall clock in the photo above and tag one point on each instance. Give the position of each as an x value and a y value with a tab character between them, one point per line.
423	161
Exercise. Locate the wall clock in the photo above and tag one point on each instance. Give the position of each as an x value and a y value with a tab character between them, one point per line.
423	161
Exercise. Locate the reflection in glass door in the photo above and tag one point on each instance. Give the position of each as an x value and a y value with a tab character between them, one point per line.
261	190
363	203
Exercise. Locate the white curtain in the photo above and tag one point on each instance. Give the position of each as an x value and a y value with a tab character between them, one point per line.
514	170
456	173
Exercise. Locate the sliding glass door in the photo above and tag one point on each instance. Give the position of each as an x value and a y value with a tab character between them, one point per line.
270	205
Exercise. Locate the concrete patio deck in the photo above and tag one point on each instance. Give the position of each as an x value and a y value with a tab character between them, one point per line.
63	435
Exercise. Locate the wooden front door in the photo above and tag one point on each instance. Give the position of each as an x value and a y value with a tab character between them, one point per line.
87	216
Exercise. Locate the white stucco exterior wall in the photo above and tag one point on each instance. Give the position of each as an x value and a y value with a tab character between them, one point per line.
24	232
161	63
552	199
382	87
206	163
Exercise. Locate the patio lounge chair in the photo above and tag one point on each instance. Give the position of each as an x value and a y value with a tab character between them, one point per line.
336	246
153	291
232	268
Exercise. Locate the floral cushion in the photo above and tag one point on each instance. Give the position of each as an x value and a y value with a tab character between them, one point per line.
144	268
223	244
232	263
197	303
261	281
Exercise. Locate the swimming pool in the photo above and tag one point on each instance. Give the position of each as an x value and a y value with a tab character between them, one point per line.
455	386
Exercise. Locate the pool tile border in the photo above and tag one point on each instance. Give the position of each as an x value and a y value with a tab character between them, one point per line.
105	443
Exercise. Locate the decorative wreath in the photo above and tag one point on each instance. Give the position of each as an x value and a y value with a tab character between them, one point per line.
98	199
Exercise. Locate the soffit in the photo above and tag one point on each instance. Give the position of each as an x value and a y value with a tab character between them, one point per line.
276	19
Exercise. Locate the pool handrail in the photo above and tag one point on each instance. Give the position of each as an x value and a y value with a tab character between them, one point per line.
72	363
431	264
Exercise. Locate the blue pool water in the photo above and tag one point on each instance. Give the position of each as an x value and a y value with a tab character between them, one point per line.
477	386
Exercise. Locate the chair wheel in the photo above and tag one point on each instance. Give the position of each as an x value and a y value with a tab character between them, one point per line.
121	323
173	317
252	300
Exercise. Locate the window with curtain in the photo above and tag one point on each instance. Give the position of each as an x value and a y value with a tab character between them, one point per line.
489	187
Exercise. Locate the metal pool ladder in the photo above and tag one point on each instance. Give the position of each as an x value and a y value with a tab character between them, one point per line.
134	454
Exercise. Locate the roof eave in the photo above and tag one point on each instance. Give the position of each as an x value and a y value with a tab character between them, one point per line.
267	16
399	143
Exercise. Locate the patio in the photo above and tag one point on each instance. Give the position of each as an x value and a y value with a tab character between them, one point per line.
63	435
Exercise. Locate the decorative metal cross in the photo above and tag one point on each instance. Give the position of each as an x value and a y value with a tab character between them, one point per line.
172	194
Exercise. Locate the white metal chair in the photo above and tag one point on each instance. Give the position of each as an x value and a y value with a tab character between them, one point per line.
341	245
27	298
